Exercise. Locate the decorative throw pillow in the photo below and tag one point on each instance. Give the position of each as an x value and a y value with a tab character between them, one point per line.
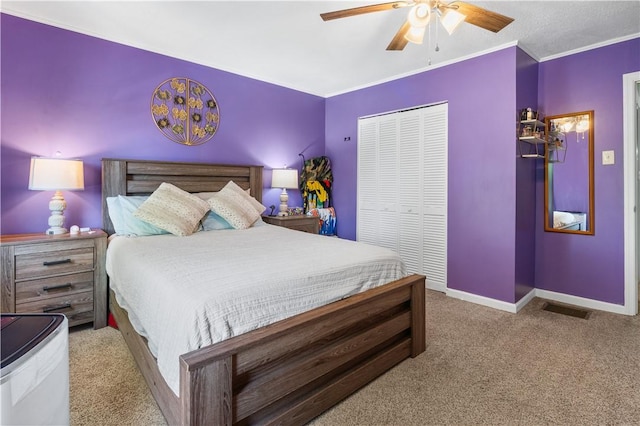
173	210
233	208
212	221
245	195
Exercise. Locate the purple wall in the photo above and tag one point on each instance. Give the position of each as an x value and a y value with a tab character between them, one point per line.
482	166
582	265
89	99
526	96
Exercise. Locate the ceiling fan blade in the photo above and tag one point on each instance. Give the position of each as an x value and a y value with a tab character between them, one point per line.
481	17
399	42
364	9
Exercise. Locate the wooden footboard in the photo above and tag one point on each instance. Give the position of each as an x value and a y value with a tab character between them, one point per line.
293	370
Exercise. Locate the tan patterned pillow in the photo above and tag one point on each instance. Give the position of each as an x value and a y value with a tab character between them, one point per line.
246	196
173	210
234	208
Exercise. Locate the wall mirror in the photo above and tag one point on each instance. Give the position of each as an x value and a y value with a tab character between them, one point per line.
568	179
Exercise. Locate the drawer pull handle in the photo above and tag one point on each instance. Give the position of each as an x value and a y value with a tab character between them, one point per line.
57	287
56	308
56	262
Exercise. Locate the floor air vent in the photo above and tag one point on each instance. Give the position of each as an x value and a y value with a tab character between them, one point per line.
566	310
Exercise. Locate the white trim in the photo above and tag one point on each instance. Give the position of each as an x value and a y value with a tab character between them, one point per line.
364	117
525	300
485	301
630	181
526	50
590	47
581	302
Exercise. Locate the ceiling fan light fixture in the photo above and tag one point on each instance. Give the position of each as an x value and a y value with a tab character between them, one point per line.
419	15
451	19
415	34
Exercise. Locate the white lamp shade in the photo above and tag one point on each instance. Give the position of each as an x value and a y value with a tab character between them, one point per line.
451	19
419	15
415	35
56	174
284	178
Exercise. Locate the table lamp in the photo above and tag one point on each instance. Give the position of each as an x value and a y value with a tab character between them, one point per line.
284	178
56	174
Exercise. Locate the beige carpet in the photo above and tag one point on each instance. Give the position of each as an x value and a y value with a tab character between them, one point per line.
481	367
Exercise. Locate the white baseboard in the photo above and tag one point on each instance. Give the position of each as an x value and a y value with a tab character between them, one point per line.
581	301
481	300
543	294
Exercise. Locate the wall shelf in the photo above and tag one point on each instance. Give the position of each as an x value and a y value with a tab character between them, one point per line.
531	142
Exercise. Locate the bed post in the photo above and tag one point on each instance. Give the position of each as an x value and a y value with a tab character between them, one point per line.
418	323
206	392
114	182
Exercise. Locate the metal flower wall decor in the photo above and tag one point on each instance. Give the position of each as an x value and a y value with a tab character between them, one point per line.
185	111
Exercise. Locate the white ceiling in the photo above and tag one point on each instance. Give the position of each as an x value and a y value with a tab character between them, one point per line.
287	43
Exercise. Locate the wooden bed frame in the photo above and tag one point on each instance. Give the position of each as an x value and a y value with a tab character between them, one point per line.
288	372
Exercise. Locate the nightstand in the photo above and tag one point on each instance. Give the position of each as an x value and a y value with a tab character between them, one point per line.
55	273
310	224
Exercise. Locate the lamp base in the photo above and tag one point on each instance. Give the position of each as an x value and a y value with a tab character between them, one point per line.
284	199
56	231
57	204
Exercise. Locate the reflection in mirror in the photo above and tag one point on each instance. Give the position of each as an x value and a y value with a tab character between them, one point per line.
568	182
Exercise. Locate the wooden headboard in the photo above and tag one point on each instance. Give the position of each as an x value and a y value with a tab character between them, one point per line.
142	177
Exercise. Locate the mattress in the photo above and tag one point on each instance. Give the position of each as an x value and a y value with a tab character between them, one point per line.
184	293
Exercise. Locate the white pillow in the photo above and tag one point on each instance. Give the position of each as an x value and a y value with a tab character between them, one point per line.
173	210
113	207
234	208
121	210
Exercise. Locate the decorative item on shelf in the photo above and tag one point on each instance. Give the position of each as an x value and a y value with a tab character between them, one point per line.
285	179
56	174
529	114
185	111
296	211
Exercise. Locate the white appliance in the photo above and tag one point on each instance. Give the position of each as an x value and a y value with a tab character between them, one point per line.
34	376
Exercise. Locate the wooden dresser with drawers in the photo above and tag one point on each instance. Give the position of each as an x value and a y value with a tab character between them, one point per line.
55	274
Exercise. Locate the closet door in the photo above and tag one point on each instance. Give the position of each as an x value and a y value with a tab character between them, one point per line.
367	215
387	174
402	188
434	196
410	189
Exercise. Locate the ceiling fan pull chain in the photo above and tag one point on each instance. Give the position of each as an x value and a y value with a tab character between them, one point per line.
429	45
437	22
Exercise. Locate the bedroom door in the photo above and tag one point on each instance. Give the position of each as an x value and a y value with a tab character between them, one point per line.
402	188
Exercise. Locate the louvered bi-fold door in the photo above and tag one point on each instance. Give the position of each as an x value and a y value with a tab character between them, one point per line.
367	202
434	196
402	188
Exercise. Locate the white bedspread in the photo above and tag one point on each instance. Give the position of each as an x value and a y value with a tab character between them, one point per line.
184	293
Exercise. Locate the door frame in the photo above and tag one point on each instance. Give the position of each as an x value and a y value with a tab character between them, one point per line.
631	136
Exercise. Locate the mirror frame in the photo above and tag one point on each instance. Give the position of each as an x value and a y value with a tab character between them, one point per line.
591	214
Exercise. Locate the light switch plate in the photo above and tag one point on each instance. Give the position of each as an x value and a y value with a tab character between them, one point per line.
608	157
